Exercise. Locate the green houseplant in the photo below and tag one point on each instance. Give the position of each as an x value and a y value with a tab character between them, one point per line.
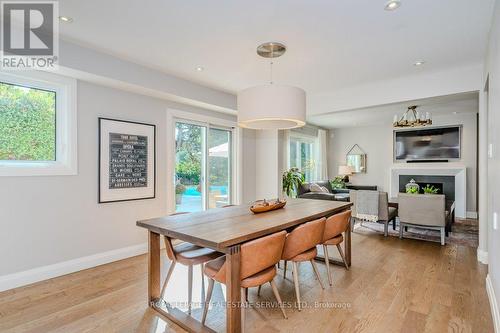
429	189
412	190
179	191
337	182
292	179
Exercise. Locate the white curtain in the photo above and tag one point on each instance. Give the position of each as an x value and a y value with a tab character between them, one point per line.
321	172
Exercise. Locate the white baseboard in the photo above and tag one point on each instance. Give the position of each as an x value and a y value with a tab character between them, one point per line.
493	304
471	215
482	256
47	272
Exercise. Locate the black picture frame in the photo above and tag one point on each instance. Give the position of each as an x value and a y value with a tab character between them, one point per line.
100	156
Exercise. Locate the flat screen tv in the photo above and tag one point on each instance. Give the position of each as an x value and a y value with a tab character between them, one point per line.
427	144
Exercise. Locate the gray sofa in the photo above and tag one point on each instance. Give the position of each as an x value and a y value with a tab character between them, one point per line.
304	191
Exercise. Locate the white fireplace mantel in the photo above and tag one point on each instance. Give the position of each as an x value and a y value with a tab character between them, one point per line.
458	172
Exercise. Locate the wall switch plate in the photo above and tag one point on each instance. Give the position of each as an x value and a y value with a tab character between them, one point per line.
495	221
490	150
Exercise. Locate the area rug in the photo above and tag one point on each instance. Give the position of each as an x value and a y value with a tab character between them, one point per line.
463	232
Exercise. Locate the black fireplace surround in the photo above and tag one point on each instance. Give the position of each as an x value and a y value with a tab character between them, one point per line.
445	184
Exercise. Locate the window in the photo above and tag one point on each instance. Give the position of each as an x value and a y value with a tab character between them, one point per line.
37	125
302	154
203	163
27	123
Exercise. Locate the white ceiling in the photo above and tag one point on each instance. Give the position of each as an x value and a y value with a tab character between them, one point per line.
383	114
331	43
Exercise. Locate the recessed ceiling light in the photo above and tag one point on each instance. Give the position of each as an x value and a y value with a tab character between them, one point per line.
392	5
418	63
199	69
66	19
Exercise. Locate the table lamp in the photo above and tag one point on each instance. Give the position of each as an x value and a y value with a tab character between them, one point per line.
346	171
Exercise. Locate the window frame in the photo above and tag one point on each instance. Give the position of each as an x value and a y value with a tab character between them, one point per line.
176	115
300	138
66	126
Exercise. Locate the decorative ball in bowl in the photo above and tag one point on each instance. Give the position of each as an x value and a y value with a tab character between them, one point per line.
261	206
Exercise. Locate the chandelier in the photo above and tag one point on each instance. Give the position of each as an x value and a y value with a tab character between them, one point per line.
412	118
271	106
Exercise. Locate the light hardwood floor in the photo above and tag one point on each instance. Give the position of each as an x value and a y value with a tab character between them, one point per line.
393	286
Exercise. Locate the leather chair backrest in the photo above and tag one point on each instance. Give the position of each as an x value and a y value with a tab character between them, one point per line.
336	225
258	255
303	238
262	253
422	209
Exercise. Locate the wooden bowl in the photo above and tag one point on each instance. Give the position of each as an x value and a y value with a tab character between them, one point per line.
263	206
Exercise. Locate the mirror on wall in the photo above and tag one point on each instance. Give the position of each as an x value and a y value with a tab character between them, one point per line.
356	158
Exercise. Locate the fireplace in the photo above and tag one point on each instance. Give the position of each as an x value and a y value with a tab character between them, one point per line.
451	178
445	184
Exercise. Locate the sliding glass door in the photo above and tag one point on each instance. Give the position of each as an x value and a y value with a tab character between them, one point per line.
219	167
203	166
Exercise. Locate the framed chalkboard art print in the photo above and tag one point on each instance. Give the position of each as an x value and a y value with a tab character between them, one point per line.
126	160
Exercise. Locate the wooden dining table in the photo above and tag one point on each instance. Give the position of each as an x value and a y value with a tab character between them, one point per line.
224	230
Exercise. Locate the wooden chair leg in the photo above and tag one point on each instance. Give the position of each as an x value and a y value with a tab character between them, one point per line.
315	268
296	283
246	294
394	224
278	298
211	283
190	287
258	290
284	269
342	256
327	263
243	303
169	273
202	283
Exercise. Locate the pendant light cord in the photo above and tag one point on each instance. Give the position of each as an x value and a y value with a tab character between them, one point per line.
271	71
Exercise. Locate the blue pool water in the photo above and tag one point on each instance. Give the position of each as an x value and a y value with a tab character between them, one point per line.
192	191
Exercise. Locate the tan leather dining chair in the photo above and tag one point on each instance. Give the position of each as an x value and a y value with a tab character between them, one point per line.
334	227
300	245
258	260
189	255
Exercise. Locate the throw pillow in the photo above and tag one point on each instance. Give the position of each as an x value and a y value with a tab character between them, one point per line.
317	188
325	189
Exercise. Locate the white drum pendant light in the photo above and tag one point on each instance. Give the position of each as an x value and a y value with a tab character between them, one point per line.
271	106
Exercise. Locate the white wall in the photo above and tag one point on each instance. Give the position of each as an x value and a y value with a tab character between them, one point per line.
249	162
47	220
492	74
376	141
267	164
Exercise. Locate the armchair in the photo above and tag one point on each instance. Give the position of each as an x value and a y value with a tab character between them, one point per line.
422	211
386	214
